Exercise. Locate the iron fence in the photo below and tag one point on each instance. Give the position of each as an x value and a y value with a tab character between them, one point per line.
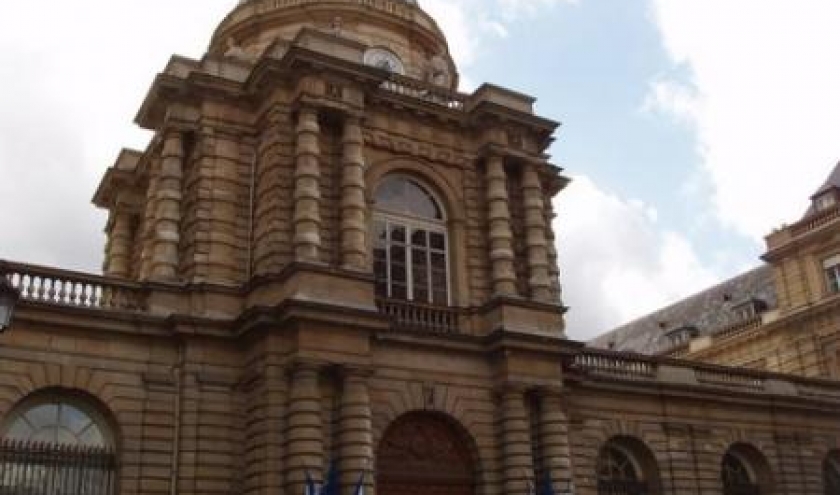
36	468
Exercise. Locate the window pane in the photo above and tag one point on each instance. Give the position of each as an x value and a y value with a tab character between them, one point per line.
438	280
438	261
398	234
401	195
399	292
398	274
380	233
441	297
73	419
421	295
398	254
42	416
437	241
418	238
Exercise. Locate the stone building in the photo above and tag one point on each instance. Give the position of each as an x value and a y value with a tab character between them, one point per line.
783	316
327	255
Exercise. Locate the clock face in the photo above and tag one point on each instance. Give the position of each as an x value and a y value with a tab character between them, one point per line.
382	58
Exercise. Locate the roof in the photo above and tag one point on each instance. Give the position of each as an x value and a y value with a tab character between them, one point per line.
707	311
831	183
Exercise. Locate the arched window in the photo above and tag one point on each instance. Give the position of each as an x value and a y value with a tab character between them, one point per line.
410	253
626	467
56	445
831	473
744	471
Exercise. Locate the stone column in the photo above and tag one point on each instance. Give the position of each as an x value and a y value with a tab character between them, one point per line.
119	245
307	195
536	241
517	460
354	249
501	238
304	431
148	227
554	440
167	221
355	432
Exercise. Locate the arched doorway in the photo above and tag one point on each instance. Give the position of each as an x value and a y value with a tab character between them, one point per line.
744	471
424	453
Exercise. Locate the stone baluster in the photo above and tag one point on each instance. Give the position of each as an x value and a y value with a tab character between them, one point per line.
554	440
354	250
307	195
536	240
517	459
119	245
167	219
501	237
355	431
304	431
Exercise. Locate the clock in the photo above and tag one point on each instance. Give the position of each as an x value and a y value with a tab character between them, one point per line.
384	59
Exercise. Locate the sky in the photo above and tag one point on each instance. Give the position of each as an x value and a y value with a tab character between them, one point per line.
690	128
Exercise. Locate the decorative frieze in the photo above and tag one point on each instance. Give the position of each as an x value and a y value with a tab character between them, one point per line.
417	149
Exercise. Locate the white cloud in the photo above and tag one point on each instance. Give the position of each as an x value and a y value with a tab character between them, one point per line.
763	97
617	262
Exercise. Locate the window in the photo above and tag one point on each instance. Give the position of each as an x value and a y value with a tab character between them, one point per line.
825	201
831	473
620	470
56	445
831	268
410	253
737	477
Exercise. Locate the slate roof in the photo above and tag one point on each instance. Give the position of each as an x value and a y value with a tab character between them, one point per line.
707	311
832	182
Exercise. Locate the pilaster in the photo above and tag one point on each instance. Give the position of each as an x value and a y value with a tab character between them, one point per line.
167	216
355	431
119	245
536	242
354	245
517	459
304	429
307	194
554	440
501	237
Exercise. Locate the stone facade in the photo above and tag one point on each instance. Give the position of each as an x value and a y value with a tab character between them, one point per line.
245	335
783	316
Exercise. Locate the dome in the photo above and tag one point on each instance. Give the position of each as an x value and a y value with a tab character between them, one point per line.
399	35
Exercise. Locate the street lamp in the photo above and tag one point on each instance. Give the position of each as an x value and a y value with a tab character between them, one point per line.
8	299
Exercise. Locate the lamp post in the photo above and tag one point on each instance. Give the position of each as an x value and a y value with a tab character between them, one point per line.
8	299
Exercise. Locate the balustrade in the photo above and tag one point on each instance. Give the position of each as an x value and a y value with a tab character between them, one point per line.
408	315
413	88
66	288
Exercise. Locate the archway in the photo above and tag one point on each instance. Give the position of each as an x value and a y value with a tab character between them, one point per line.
425	453
745	471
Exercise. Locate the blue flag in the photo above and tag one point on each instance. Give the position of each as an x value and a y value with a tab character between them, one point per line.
309	488
547	485
331	486
360	485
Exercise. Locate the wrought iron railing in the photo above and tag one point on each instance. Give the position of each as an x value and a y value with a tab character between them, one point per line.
408	315
33	468
67	288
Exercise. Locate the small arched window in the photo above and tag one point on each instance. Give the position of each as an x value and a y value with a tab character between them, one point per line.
831	473
744	471
410	255
57	445
626	467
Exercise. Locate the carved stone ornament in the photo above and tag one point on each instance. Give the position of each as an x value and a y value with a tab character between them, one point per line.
424	451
